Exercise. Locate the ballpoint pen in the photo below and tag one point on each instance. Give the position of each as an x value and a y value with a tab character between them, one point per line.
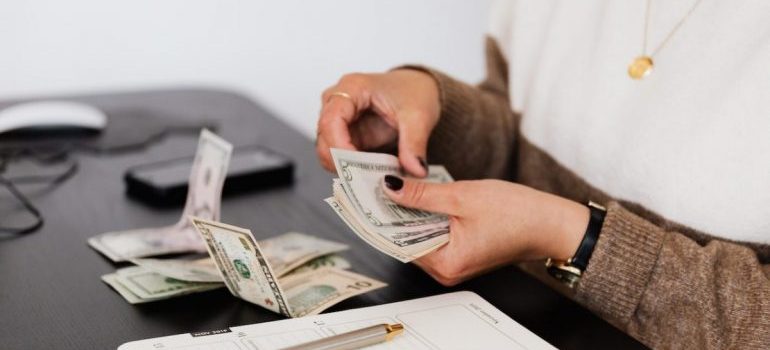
353	339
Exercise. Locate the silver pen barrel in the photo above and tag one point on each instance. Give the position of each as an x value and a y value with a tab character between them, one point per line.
353	340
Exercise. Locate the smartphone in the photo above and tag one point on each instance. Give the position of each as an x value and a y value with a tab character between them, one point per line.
164	184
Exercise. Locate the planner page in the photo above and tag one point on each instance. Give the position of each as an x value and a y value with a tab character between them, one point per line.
460	320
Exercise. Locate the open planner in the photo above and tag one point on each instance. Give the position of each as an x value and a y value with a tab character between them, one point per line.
460	320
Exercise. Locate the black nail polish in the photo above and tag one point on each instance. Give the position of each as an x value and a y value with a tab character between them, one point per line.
394	183
423	162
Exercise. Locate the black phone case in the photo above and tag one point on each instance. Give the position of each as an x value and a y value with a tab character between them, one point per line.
175	195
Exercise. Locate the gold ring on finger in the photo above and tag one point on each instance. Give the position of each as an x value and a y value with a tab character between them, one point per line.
340	94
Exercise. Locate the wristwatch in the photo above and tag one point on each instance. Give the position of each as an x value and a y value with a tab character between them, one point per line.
569	271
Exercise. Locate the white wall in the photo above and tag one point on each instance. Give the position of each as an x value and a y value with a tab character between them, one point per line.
281	52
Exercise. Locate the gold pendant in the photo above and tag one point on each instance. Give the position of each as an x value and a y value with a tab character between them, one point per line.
640	67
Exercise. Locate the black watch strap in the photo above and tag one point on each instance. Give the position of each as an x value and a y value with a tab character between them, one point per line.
586	247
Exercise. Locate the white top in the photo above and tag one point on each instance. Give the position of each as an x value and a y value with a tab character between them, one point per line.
690	142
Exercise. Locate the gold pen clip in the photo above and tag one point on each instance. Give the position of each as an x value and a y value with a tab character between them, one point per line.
393	330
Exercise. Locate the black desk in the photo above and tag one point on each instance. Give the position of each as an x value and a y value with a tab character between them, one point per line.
51	296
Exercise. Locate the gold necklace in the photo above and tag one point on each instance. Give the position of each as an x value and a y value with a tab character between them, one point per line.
642	66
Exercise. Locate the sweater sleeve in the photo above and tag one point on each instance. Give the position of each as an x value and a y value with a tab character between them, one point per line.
670	292
477	125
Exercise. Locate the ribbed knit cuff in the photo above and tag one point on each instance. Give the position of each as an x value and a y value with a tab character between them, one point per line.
456	100
621	265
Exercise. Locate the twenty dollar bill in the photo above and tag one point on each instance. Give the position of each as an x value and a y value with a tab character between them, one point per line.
247	273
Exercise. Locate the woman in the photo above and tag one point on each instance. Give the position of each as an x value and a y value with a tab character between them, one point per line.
673	141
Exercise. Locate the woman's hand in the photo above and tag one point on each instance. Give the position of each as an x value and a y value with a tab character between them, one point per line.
492	223
369	111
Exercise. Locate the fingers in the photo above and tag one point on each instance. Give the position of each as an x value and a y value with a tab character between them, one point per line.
336	115
413	136
332	134
324	155
341	105
441	198
345	99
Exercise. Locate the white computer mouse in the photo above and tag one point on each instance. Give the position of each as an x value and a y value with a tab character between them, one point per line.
51	115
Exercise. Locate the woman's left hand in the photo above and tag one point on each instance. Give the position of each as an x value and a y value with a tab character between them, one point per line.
492	223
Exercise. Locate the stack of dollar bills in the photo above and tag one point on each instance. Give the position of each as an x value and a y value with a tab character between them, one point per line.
403	233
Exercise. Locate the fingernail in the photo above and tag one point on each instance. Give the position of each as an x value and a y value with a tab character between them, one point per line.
394	183
423	162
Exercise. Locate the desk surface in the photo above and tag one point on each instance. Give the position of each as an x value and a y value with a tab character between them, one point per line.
51	295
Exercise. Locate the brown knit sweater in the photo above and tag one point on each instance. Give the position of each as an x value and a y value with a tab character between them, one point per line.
665	284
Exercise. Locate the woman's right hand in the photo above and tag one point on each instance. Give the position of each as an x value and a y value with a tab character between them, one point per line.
382	109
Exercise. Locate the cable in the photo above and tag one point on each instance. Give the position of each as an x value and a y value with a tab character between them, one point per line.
52	180
27	205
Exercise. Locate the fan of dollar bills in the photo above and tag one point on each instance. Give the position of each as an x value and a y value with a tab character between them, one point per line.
294	274
403	233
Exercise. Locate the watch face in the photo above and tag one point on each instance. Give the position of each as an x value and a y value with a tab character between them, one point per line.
565	274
